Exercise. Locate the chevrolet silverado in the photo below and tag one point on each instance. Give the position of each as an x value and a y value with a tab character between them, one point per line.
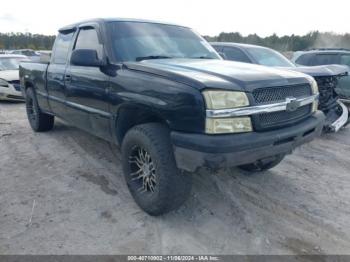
164	96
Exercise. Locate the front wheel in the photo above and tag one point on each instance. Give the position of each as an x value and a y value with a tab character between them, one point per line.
263	164
151	174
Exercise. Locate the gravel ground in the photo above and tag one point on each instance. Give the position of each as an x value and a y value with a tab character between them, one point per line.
63	192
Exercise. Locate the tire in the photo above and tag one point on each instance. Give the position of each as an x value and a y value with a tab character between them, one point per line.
39	121
150	171
263	164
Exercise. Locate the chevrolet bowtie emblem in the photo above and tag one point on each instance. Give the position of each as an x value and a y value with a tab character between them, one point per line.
292	104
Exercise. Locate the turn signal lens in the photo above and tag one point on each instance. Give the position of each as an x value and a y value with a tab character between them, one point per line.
314	86
228	125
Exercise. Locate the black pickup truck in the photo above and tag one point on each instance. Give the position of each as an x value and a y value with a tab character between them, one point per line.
163	94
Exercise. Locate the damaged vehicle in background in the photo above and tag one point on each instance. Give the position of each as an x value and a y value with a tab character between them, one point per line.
328	56
9	77
327	77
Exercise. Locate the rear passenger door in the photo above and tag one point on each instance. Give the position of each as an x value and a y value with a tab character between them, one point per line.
56	72
87	89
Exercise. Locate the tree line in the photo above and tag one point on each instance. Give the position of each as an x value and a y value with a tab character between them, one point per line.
10	41
288	43
314	39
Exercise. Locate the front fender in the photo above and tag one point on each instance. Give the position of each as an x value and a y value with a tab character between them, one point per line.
180	106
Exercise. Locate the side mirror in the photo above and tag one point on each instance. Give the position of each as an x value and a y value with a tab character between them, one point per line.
86	57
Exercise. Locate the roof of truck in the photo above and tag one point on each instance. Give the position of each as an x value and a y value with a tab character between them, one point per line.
104	20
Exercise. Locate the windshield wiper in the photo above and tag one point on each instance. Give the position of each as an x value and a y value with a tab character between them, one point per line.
140	58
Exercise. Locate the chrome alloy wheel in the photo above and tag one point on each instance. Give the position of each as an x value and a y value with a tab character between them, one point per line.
143	171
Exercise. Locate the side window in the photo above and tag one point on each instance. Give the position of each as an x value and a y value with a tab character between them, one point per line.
235	54
88	39
304	59
345	60
325	59
217	48
61	48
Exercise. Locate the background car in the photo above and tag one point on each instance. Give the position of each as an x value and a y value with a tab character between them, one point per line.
9	77
31	54
327	77
327	56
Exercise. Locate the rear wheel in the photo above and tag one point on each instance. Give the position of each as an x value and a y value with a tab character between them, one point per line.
39	121
263	164
150	170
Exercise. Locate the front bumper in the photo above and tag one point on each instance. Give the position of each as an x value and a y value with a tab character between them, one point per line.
220	151
336	118
10	93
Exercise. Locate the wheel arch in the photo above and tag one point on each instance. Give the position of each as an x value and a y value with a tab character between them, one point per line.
132	115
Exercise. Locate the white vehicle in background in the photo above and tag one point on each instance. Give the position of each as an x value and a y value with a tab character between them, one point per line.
31	54
9	77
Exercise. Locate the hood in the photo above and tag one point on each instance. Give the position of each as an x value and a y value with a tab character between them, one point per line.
319	71
9	75
221	74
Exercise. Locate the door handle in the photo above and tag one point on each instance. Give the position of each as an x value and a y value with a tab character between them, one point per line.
67	78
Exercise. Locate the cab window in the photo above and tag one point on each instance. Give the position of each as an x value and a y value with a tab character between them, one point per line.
326	59
88	39
61	47
234	54
345	60
304	59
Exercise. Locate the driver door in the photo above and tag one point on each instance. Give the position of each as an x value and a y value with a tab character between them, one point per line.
87	88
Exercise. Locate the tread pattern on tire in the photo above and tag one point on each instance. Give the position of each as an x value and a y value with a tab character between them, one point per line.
174	185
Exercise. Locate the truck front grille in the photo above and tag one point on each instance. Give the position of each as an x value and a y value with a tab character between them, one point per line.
279	94
282	118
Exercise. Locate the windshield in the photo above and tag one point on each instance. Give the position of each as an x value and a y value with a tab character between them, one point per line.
10	63
136	41
268	57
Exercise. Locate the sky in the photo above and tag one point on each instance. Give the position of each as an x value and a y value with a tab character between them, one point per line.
208	17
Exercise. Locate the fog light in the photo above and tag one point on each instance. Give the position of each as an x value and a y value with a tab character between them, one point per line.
228	125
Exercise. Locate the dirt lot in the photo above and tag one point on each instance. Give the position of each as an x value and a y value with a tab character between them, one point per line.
63	192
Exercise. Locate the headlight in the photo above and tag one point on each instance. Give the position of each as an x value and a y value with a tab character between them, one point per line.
3	83
225	99
314	86
228	125
314	106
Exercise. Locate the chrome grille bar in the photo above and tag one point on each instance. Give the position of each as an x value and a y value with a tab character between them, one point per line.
260	109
